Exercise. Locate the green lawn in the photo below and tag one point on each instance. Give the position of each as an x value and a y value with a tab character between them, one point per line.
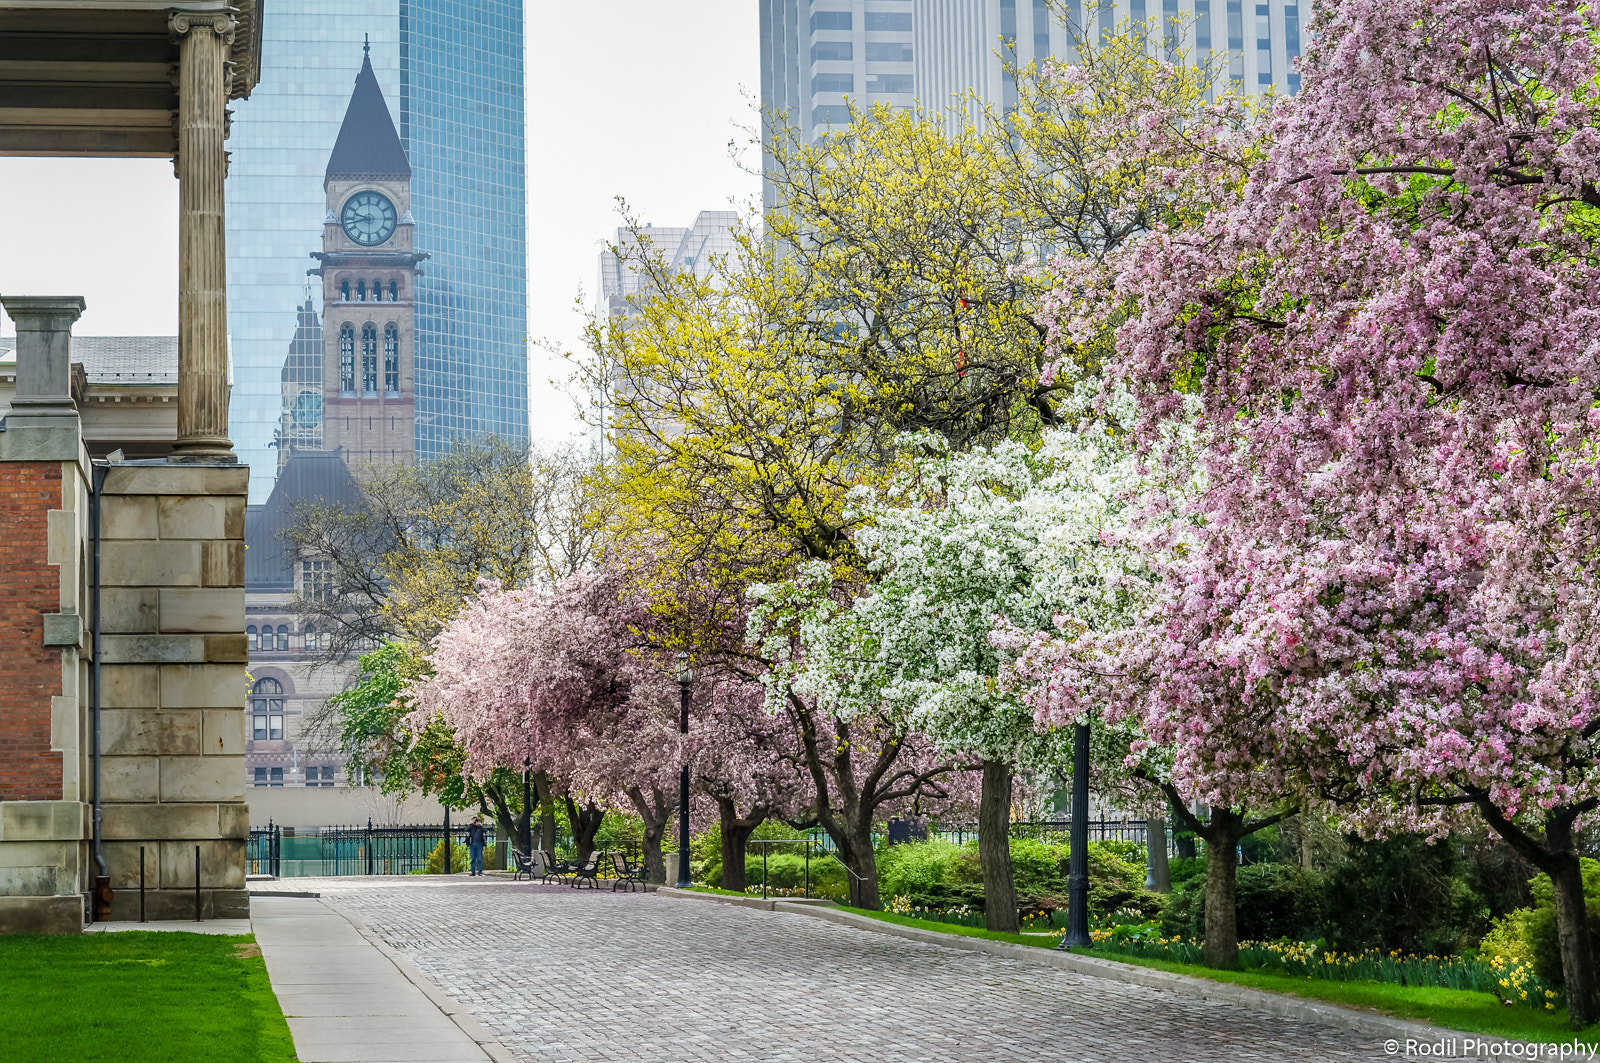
1455	1009
139	997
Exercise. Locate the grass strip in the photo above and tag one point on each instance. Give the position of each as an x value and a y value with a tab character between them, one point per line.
1456	1009
139	997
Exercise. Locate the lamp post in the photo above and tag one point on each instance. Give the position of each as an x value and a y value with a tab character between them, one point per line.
685	677
1077	935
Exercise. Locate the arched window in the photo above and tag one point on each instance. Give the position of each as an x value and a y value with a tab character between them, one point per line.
377	290
265	641
250	637
283	638
391	360
394	292
311	638
344	291
266	710
369	359
347	360
361	291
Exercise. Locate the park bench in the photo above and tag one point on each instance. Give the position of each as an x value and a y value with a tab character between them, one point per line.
552	869
526	865
629	874
589	872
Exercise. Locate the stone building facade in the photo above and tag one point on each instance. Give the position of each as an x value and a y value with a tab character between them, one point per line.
122	653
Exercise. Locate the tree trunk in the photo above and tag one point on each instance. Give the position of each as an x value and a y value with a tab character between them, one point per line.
656	817
1222	916
1572	930
547	811
861	863
735	833
1159	878
525	818
1185	841
505	821
585	825
994	848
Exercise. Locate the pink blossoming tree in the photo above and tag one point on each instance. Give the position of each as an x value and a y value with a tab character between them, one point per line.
1392	334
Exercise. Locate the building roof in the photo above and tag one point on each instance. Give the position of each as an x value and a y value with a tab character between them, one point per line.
368	145
149	360
311	477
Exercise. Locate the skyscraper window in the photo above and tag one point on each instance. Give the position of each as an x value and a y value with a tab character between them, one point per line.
1291	43
1263	44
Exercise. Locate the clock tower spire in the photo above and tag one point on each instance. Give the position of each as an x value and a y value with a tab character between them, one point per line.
368	267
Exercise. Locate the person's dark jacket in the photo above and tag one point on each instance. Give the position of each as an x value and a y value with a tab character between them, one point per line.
476	835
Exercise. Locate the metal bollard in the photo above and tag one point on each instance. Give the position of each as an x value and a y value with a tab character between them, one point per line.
141	884
197	884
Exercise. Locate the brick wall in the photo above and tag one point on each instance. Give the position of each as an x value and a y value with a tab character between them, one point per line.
30	672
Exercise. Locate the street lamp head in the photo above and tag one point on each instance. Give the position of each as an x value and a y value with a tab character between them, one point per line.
685	673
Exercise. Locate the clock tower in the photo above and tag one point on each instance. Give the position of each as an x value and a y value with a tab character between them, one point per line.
368	268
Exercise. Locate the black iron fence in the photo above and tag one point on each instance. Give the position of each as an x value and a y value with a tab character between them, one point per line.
291	852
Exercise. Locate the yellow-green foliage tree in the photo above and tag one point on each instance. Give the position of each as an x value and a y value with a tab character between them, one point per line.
901	287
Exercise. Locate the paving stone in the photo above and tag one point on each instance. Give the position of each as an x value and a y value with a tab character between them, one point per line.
574	975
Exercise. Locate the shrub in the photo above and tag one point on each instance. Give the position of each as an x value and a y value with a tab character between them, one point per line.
458	859
914	869
1403	893
1183	869
1510	938
787	871
1272	900
1540	923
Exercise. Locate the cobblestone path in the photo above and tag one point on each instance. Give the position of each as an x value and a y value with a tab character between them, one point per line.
567	975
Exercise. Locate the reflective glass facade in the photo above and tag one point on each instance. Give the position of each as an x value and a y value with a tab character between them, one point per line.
279	146
461	120
452	74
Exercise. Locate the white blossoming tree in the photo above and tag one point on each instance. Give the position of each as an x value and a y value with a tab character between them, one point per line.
1028	539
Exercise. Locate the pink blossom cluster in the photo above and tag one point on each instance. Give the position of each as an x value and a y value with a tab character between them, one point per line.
1380	590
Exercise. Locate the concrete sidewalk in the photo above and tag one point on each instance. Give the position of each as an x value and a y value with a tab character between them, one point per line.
349	999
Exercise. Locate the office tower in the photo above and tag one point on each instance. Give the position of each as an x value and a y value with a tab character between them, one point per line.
817	56
450	72
691	249
977	46
820	56
461	120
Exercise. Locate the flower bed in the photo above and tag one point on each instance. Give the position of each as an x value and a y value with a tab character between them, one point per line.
1509	980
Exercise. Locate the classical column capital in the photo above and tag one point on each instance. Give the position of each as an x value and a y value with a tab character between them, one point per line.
181	23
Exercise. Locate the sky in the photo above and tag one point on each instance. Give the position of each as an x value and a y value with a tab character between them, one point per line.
631	98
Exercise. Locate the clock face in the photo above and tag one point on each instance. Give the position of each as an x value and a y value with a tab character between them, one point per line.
368	218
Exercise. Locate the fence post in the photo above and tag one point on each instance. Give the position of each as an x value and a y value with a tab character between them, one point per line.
447	839
197	883
369	845
808	867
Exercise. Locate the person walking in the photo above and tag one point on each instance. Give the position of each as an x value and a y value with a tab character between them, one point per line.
477	837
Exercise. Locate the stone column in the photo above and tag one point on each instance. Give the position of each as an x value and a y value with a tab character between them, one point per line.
205	39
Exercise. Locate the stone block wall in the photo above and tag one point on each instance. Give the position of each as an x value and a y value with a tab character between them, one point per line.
173	659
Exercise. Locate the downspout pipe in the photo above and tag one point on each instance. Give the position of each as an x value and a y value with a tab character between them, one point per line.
102	885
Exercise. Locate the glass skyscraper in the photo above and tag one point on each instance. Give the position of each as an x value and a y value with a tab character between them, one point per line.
454	69
461	120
